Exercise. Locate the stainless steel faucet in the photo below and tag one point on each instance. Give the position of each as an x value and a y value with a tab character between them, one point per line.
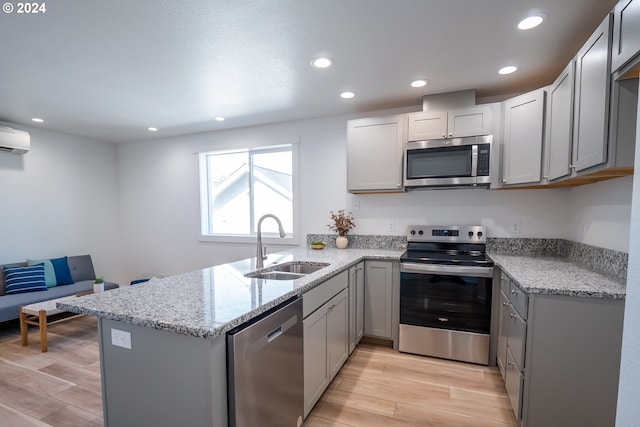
260	256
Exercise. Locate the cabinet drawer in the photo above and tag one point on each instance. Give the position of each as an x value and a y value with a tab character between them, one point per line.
519	300
322	293
516	336
514	383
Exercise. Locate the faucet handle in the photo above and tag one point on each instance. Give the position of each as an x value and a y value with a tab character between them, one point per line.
264	252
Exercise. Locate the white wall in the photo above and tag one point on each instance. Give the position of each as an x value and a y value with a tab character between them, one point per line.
628	411
61	198
159	193
600	213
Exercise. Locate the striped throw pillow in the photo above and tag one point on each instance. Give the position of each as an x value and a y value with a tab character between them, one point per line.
24	279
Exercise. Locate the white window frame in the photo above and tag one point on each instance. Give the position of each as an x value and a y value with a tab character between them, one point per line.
267	238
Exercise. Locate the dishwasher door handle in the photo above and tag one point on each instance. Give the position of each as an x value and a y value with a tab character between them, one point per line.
274	334
264	340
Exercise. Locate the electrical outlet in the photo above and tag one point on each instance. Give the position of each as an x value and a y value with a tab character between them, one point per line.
391	226
515	227
356	205
121	338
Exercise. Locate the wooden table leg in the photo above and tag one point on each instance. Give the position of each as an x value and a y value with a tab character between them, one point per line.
23	327
42	314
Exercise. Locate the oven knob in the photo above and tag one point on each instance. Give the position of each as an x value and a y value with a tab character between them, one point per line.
413	232
471	234
421	232
479	233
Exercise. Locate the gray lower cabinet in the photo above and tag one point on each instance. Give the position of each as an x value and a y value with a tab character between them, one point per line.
326	336
164	379
523	138
356	305
381	303
560	357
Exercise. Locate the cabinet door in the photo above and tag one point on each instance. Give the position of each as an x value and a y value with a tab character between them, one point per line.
626	32
352	309
316	364
427	125
502	334
378	299
591	108
559	125
469	122
514	383
516	336
374	154
522	148
337	332
359	301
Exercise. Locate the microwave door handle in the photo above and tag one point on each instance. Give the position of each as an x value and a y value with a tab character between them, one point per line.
474	160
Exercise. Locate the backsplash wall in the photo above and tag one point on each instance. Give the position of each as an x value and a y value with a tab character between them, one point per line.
609	262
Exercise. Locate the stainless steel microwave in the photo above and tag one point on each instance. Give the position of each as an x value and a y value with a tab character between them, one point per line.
446	163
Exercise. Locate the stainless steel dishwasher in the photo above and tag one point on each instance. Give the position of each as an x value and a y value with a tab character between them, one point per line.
265	369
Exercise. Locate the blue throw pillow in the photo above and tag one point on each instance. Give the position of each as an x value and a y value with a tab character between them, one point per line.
24	279
63	274
49	272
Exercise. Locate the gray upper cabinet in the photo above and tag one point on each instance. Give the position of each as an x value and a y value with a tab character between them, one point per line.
458	123
523	138
559	126
626	33
374	154
591	105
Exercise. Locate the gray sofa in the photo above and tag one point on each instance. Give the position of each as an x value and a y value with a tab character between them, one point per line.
83	275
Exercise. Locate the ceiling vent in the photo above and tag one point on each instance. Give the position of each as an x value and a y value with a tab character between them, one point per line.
14	141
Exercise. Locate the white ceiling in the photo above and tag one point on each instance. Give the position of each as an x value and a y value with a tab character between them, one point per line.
110	69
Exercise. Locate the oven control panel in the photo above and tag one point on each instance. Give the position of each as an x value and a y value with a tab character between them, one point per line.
447	233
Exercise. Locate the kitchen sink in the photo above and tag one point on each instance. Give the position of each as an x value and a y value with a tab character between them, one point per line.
287	271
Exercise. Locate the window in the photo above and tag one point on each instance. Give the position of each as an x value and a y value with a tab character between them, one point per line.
238	187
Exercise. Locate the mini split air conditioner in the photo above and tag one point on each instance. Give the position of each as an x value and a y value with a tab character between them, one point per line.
14	141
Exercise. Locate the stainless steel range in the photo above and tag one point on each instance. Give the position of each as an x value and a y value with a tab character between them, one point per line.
445	293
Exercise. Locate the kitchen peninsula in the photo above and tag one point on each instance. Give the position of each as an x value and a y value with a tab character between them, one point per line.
175	370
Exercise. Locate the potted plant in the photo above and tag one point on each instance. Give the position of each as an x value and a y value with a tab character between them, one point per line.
98	284
342	224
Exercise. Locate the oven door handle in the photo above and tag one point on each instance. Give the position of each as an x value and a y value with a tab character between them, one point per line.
446	270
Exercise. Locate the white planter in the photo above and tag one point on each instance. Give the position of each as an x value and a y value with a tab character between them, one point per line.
98	287
342	242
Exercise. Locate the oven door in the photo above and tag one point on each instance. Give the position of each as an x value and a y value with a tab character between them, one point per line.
447	297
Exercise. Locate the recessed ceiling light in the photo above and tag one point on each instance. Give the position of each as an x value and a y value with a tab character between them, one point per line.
153	129
530	22
219	119
37	120
419	83
347	95
507	70
322	62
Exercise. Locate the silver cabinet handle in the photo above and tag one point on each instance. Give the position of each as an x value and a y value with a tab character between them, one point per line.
504	304
511	315
504	181
513	291
444	135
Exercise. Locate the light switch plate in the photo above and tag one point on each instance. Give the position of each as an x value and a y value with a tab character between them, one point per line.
121	338
515	227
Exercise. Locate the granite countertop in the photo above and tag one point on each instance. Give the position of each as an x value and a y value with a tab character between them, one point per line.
558	276
209	302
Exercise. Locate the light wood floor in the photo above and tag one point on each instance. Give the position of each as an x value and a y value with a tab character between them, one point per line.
376	387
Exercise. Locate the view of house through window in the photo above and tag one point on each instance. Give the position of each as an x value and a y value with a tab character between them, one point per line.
238	187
